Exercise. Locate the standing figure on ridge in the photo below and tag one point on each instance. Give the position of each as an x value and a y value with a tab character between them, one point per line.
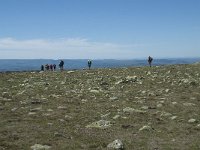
89	64
42	67
61	64
47	66
51	67
54	67
150	59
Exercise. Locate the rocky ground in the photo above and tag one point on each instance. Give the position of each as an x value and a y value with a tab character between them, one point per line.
136	108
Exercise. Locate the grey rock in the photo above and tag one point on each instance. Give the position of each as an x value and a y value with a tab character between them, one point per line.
165	114
173	117
131	110
113	98
116	144
146	127
189	104
192	120
159	105
131	78
174	103
99	124
145	107
40	147
105	115
70	71
116	117
62	107
94	91
167	90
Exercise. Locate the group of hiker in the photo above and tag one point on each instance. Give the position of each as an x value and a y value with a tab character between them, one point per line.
52	67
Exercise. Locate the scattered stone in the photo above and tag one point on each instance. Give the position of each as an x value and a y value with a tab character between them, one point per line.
61	120
167	90
159	105
151	94
113	98
50	124
116	144
26	81
145	107
148	73
6	100
143	92
84	101
192	120
198	127
99	124
94	91
161	102
36	109
131	110
173	117
165	114
50	110
54	95
46	114
40	147
188	104
68	117
119	82
131	78
63	82
147	128
32	113
116	117
105	116
36	102
57	134
174	103
70	71
62	107
185	81
14	109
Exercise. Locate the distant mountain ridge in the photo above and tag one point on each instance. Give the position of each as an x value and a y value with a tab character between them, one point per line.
34	64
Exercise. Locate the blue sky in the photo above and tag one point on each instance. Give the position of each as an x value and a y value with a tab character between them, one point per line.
99	29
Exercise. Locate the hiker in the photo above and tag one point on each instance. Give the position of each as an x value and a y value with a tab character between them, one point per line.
54	67
51	67
89	64
61	64
42	67
150	59
47	67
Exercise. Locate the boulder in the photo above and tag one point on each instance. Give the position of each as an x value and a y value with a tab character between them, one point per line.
116	144
192	120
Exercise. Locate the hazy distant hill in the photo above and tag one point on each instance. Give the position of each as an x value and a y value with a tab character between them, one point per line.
34	64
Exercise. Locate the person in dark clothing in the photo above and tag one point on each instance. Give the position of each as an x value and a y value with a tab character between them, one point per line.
150	59
61	65
42	67
47	67
54	67
51	67
89	64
